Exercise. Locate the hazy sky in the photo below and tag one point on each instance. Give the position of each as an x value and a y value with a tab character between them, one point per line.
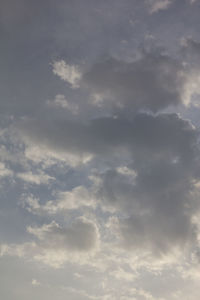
99	154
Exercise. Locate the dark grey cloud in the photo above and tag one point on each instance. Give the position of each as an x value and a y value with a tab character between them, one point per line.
152	82
158	234
156	208
164	135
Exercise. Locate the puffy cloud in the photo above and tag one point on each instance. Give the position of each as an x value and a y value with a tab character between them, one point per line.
47	156
35	178
68	73
152	81
75	199
157	5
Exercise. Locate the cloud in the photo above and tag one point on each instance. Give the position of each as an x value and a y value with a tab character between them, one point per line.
153	192
191	53
47	156
35	178
164	134
81	236
56	245
4	171
152	82
75	199
68	73
157	235
157	5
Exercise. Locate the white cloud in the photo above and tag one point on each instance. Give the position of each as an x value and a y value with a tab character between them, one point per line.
42	154
69	200
157	5
30	203
191	88
68	73
77	198
35	178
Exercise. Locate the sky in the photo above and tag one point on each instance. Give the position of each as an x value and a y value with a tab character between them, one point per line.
99	149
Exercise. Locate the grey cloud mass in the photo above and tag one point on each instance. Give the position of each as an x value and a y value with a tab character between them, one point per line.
164	135
152	82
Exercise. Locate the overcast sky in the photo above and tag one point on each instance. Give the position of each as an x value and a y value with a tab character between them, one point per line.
99	149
